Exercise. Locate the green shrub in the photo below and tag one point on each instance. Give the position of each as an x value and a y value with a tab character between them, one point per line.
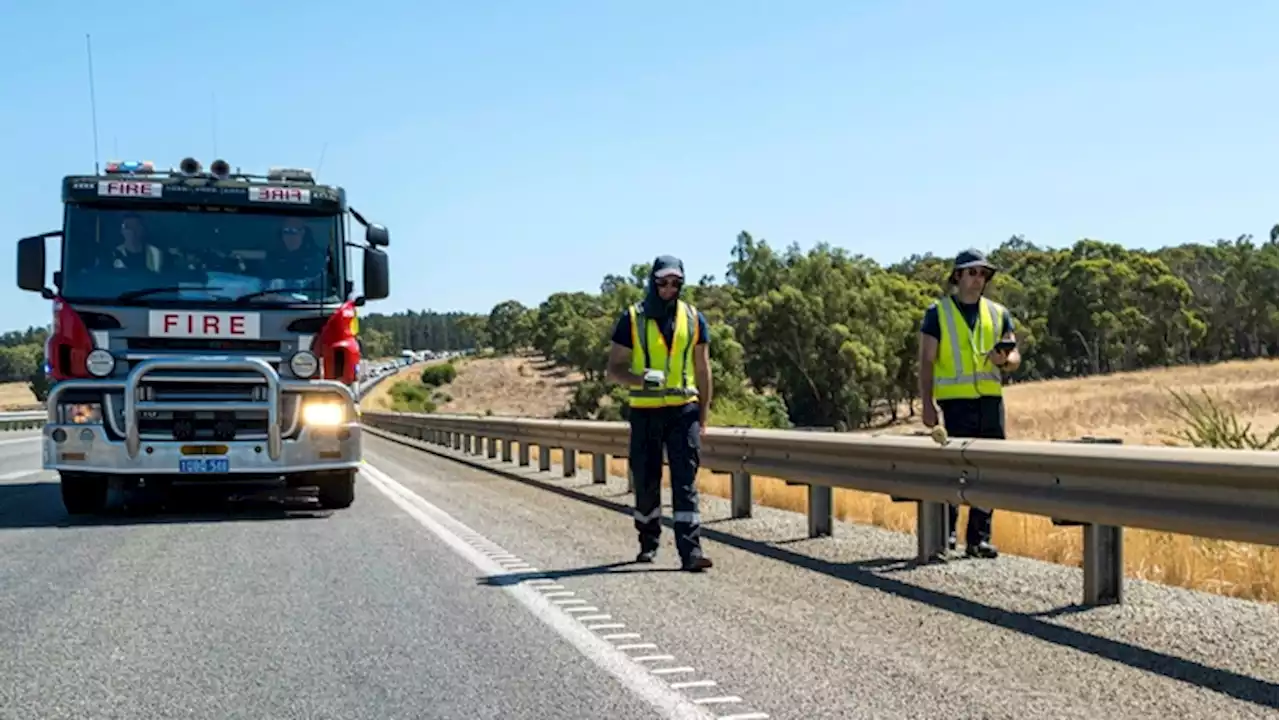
410	397
1207	424
437	375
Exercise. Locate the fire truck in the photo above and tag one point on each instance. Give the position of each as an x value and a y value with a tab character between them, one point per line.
204	332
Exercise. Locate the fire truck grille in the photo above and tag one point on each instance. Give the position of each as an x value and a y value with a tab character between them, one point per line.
208	390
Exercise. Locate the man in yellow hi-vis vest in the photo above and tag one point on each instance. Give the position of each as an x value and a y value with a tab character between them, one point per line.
967	343
660	352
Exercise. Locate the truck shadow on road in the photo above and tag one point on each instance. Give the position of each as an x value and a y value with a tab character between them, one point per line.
39	505
865	574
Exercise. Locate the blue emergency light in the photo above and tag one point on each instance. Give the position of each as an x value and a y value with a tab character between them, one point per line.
130	167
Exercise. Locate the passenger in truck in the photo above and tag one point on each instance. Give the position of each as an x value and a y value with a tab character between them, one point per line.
303	260
135	253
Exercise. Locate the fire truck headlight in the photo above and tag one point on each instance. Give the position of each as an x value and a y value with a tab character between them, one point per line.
80	414
303	364
100	363
323	414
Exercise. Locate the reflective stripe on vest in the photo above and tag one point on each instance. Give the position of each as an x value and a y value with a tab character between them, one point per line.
680	388
961	369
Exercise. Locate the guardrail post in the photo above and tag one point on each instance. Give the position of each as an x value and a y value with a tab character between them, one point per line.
457	441
569	465
599	468
506	451
820	511
1103	557
524	454
544	458
931	530
1103	565
491	447
740	502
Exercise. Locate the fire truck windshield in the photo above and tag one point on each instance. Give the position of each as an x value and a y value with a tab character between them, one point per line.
211	254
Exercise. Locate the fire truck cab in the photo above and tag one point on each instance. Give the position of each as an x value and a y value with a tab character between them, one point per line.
204	331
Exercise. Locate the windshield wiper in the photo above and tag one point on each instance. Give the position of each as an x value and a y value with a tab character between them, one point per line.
241	300
135	294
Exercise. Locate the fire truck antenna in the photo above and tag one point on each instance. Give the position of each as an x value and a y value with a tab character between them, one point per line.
93	102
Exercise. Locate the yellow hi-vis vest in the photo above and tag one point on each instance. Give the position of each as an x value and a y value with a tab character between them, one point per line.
962	370
649	351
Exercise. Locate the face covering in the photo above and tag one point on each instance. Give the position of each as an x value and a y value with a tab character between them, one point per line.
654	305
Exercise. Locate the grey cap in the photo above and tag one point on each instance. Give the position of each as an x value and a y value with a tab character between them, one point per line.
665	265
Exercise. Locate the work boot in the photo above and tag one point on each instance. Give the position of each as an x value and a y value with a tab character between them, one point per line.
983	549
695	563
646	556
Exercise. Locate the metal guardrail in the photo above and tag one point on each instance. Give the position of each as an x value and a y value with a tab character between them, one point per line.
22	420
1219	494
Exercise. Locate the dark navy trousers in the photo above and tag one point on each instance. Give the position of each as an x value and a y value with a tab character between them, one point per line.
677	430
980	418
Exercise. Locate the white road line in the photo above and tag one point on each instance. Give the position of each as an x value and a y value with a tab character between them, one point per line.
745	716
552	586
718	700
622	636
638	646
587	608
15	441
605	626
17	474
693	684
565	593
671	670
669	703
568	601
653	658
593	618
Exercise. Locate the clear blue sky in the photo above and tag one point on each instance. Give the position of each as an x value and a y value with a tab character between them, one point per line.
519	148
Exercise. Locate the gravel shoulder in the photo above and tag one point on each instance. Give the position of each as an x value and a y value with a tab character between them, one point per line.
845	627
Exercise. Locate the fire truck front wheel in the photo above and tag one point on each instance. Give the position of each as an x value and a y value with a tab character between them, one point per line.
337	489
83	493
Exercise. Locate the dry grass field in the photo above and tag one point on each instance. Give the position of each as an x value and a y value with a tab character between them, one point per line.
16	396
1135	407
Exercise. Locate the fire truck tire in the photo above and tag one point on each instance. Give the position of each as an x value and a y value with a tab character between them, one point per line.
336	489
83	493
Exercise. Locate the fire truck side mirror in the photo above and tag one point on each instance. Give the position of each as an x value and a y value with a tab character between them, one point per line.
377	275
31	266
377	235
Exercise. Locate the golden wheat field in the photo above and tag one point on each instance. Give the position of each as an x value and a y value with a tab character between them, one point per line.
1132	406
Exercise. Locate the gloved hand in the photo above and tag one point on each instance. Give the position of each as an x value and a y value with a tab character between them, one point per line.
654	378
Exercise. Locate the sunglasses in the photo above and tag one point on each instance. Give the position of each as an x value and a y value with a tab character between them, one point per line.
668	282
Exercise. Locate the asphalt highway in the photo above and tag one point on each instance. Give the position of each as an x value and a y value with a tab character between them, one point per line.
450	591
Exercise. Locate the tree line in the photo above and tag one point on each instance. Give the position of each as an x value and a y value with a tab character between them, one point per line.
829	338
386	335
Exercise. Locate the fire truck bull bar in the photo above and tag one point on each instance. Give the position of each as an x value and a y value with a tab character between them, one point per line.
270	400
133	406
